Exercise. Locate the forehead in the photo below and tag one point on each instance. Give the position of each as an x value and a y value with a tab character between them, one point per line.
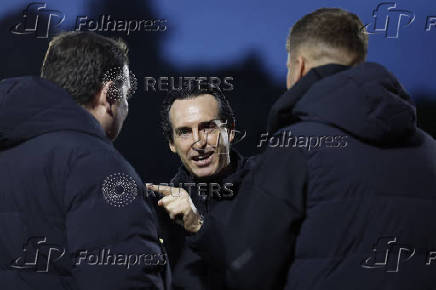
189	112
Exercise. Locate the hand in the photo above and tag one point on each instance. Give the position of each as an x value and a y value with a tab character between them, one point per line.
177	201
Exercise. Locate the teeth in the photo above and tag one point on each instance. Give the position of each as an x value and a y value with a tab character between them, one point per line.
202	157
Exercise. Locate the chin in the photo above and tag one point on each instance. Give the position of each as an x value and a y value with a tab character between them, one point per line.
204	172
112	136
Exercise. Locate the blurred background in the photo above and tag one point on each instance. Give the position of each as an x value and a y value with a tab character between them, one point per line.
242	39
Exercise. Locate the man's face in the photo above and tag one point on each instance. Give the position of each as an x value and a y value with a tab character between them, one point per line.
120	107
202	145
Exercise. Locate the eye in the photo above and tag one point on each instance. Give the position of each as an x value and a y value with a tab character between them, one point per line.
209	127
183	131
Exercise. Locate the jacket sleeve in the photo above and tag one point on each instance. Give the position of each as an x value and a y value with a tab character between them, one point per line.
255	243
111	230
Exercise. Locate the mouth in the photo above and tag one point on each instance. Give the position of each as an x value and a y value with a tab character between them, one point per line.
203	159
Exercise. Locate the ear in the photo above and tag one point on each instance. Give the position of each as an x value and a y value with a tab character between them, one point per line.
302	63
100	99
172	147
288	74
105	98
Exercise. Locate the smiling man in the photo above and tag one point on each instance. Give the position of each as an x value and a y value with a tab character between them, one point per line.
205	155
199	126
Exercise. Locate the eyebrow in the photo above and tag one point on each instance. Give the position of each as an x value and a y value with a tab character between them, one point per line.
207	122
177	130
201	123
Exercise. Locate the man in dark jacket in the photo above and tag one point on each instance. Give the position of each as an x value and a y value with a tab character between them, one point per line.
344	195
72	210
199	125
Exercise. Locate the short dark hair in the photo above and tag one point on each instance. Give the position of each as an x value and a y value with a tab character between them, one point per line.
225	110
333	27
77	62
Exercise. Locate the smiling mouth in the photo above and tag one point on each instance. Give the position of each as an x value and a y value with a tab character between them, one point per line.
203	160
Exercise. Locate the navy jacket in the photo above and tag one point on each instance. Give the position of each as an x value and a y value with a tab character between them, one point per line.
187	252
72	209
344	195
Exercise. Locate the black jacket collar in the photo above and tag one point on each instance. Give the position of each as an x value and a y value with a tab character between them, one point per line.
32	106
281	112
364	101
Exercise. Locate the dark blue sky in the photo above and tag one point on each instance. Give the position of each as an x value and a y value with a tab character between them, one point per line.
213	34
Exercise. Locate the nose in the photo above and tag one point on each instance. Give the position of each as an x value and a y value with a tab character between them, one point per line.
200	139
